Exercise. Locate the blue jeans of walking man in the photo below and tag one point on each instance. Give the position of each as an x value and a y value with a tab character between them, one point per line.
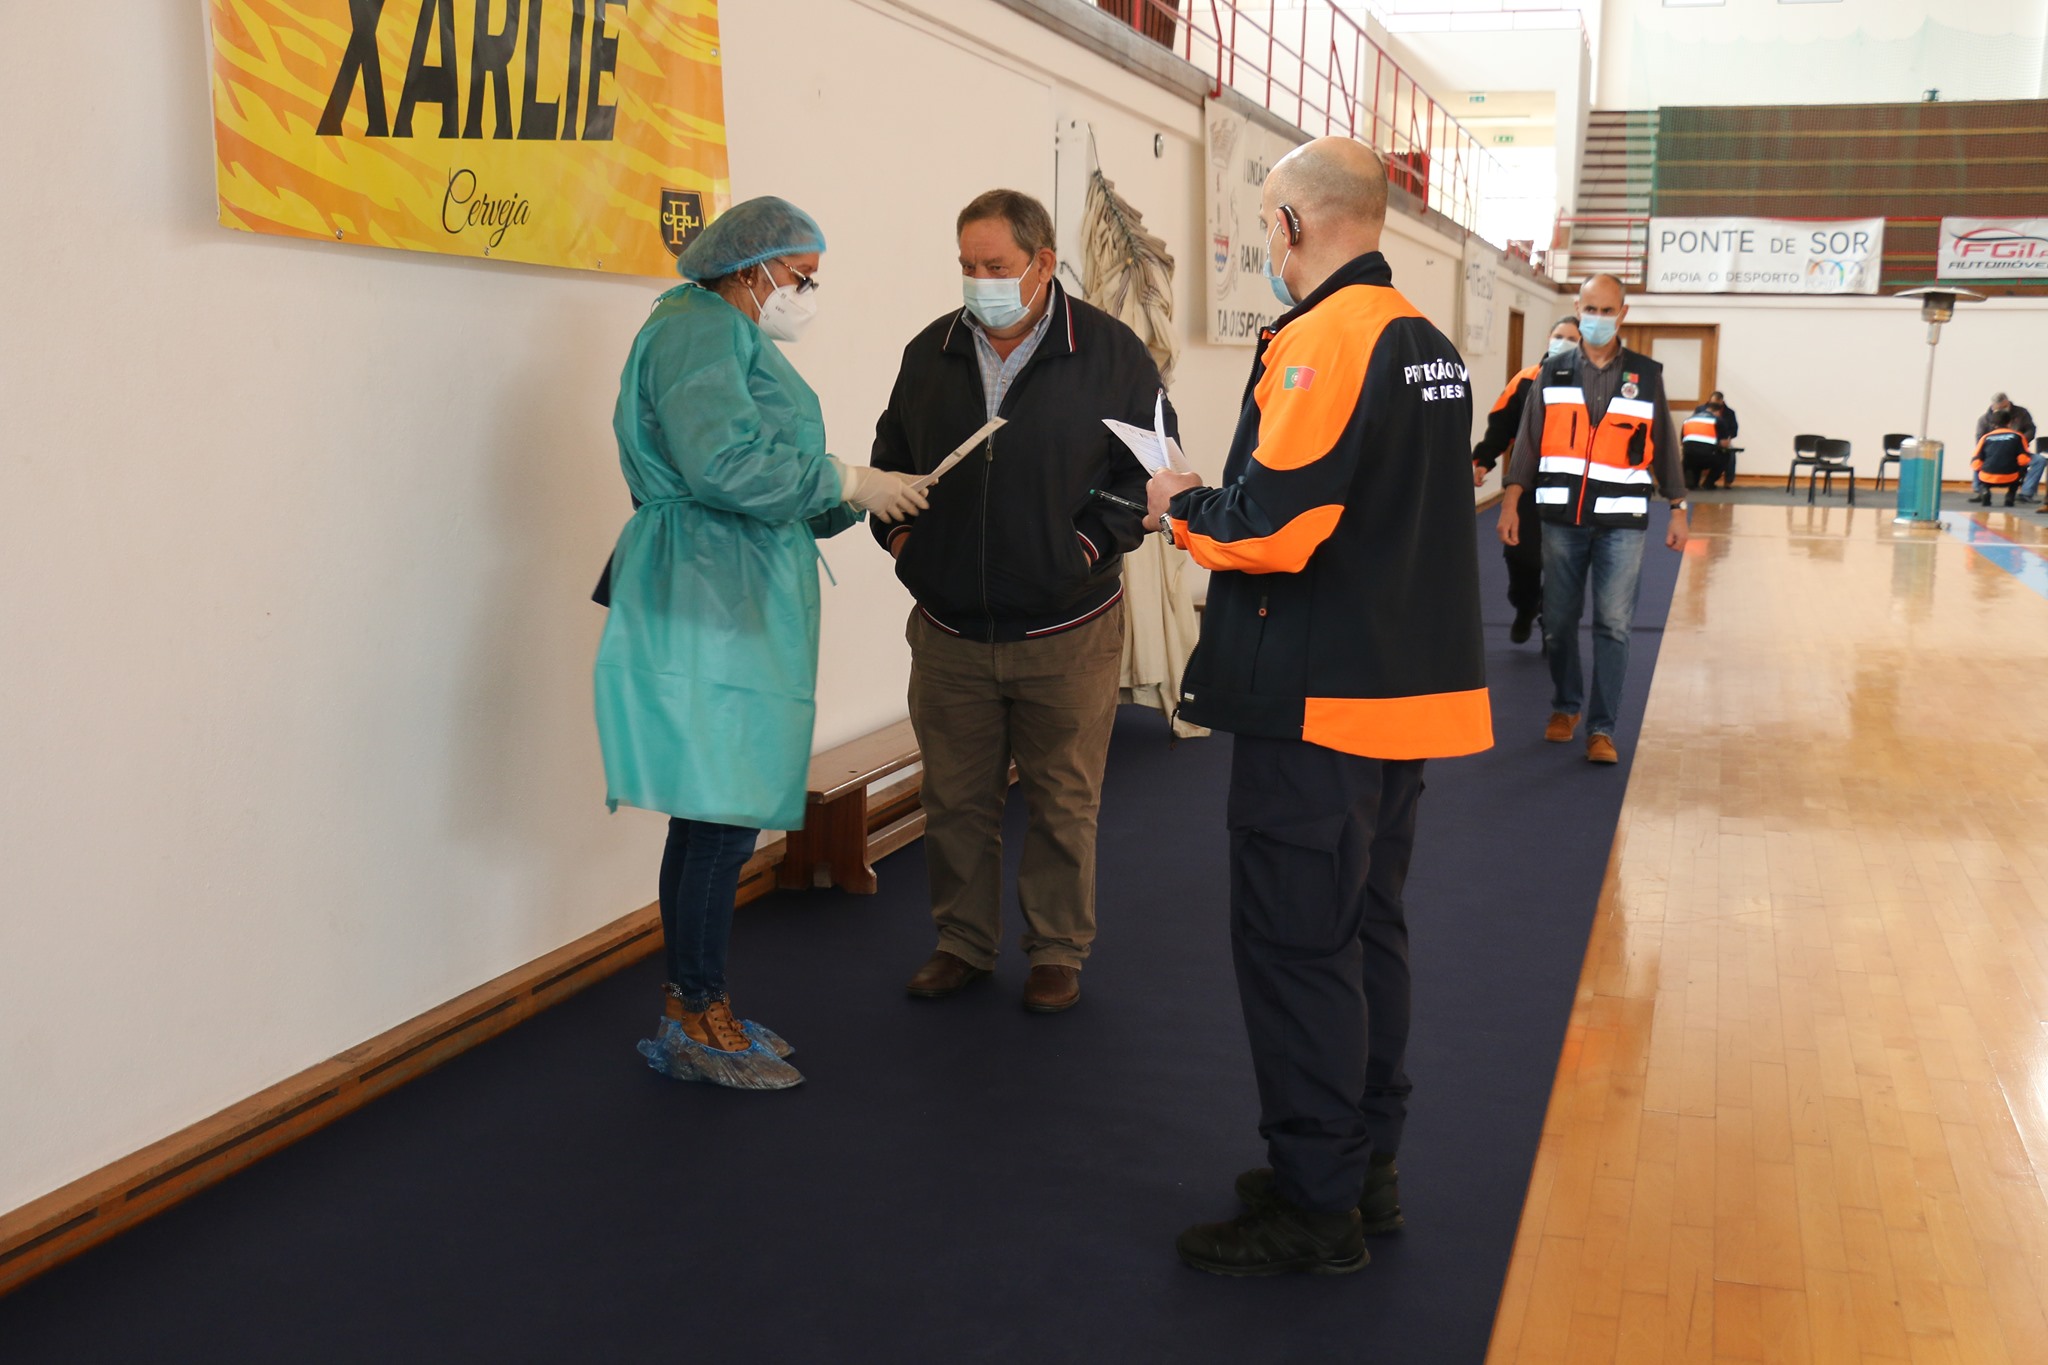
1609	561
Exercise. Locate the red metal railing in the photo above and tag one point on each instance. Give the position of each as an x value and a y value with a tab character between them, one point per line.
1325	76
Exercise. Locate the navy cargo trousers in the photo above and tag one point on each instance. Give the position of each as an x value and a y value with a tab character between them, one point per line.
1319	849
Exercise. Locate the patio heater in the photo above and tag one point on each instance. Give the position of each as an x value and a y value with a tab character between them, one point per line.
1920	459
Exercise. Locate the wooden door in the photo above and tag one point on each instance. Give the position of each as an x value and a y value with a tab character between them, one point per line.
1690	357
1514	344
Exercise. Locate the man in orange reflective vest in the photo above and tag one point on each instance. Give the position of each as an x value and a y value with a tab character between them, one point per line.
1341	647
1596	445
1701	440
1525	560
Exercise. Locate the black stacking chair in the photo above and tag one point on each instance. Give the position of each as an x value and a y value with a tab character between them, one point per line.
1803	448
1894	442
1830	459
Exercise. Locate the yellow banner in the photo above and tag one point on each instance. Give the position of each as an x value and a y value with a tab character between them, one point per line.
584	133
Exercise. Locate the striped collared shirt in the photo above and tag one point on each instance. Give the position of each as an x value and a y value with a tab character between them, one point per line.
997	373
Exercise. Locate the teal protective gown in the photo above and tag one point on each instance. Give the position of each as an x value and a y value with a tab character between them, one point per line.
707	672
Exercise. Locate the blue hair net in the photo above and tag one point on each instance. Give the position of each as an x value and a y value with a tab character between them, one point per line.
748	234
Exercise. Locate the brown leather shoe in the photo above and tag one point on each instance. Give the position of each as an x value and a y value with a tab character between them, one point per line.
1559	731
714	1027
1050	989
942	975
1600	749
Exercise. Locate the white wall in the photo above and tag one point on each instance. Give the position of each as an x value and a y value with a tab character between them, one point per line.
297	539
1855	369
1861	51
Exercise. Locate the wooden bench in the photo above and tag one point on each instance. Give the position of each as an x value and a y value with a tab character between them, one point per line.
846	826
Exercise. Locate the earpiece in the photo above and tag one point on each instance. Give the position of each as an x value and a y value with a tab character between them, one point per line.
1293	224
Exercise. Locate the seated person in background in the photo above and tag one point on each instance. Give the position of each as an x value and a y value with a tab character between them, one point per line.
2003	412
1730	428
1700	442
2000	460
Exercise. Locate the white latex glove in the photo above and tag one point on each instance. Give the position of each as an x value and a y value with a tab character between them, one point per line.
885	494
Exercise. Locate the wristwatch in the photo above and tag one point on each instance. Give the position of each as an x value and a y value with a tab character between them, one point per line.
1680	505
1166	528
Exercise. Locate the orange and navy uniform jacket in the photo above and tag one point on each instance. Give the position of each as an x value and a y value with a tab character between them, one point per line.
1602	474
1344	603
2001	456
1703	427
1505	419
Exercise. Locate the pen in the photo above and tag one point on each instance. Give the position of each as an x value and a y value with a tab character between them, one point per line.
1120	502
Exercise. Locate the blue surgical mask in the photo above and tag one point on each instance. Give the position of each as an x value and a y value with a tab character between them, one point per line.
998	303
1598	331
1280	290
1560	345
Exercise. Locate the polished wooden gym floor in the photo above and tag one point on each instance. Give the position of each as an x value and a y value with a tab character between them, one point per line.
1802	1109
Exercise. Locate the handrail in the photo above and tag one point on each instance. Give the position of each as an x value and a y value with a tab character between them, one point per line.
1427	151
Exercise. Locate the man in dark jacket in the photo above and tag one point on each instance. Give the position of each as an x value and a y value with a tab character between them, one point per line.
1597	442
1341	646
1524	561
2005	413
1017	639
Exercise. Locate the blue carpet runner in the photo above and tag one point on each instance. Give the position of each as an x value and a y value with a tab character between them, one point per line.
959	1180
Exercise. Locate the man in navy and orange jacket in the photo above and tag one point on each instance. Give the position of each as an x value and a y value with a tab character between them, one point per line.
1524	560
1341	646
2000	460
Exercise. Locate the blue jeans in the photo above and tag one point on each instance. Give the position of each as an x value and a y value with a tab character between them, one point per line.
1612	559
2032	482
700	876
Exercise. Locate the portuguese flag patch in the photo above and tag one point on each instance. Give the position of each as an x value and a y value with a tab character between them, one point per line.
1297	377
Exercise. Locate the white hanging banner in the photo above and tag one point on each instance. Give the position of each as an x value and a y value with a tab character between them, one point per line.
1764	256
1993	249
1482	268
1240	152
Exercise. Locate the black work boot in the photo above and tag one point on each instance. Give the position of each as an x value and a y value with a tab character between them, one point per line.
1518	633
1277	1239
1379	1208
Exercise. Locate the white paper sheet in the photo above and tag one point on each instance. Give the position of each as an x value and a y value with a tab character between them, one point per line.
1154	451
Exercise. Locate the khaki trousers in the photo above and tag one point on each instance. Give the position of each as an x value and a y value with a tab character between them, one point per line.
1048	704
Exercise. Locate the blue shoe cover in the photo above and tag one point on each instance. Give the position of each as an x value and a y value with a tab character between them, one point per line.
677	1055
761	1033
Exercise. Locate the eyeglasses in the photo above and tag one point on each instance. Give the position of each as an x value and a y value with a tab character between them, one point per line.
804	283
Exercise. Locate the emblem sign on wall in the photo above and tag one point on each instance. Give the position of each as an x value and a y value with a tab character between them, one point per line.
583	133
1240	152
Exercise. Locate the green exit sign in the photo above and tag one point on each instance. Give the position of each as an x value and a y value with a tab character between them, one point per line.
1503	137
1475	99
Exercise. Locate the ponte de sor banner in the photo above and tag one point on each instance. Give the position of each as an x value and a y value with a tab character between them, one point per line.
1764	256
581	133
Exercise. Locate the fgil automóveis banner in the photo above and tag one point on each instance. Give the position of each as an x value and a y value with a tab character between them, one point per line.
1764	256
582	133
1993	249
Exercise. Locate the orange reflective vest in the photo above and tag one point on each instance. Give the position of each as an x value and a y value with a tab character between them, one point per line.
1701	426
1597	474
